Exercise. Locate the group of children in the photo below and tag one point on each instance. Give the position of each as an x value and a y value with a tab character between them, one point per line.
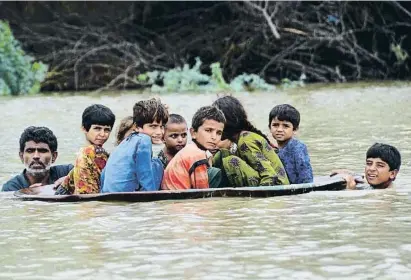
226	151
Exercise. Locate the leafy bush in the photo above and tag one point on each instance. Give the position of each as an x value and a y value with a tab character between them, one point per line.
18	73
287	83
250	82
191	79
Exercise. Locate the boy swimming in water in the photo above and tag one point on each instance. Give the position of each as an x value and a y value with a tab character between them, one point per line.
381	168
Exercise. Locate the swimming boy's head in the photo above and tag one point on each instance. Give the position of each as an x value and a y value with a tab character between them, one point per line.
150	116
175	133
97	123
124	129
283	122
382	165
207	126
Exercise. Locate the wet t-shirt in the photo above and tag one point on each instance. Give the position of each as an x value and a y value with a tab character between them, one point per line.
20	182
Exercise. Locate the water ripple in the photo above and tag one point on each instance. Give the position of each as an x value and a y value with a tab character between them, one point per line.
323	235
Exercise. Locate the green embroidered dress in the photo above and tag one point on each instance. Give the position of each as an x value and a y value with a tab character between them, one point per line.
255	163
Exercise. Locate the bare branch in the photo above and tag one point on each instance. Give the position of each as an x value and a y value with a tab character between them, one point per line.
267	17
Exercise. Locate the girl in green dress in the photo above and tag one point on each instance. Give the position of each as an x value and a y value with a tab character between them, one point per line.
254	162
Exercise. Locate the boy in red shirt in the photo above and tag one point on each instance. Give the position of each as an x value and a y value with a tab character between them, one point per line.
190	167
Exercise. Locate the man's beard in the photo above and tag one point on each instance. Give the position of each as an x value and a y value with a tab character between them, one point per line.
38	172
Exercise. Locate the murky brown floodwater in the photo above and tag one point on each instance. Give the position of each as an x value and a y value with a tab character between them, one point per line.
322	235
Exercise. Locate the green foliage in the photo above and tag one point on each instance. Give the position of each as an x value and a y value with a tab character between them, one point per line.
18	73
177	79
217	76
287	83
191	79
250	82
400	54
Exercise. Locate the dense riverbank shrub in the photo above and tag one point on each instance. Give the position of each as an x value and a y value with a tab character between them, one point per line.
94	45
191	79
19	74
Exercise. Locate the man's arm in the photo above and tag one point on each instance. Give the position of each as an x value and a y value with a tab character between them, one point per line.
350	177
9	187
14	184
62	172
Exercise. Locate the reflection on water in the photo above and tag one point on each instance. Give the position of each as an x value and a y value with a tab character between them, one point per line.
361	235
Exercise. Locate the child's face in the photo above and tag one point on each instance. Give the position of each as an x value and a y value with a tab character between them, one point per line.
378	172
155	130
282	131
208	134
97	134
175	137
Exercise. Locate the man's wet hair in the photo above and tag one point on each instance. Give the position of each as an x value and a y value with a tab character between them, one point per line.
149	111
285	112
38	134
207	113
387	153
99	115
236	118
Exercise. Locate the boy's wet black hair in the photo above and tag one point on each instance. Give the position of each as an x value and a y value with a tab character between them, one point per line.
38	134
207	113
236	117
175	118
97	114
285	112
387	153
149	111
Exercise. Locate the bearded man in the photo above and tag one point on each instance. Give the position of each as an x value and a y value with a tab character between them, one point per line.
38	151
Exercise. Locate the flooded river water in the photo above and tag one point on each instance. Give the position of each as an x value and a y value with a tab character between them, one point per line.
321	235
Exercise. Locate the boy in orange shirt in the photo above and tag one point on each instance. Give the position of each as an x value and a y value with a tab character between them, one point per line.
190	167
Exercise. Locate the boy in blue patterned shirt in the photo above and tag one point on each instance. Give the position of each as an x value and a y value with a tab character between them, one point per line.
283	122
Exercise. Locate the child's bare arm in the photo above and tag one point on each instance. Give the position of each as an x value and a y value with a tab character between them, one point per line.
350	177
